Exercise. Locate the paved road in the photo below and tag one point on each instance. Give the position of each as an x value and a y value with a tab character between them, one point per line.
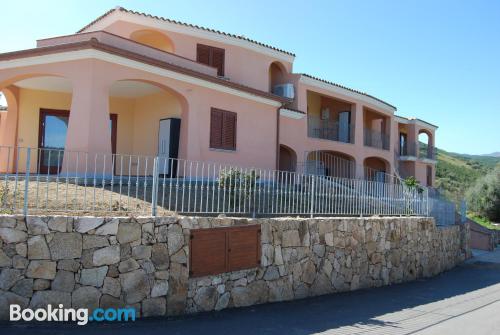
465	300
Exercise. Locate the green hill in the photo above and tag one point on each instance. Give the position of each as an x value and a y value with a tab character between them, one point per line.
455	173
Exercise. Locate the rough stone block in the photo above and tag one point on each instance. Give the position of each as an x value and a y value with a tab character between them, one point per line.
64	281
135	286
93	276
36	225
94	241
154	307
86	297
10	235
37	248
41	269
107	256
128	232
66	246
43	298
84	224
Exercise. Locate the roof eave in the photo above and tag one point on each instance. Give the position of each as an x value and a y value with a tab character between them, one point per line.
393	108
94	44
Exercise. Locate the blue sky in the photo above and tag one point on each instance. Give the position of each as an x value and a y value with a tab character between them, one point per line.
437	60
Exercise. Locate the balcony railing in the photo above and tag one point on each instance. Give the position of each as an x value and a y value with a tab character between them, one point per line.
376	139
422	151
408	149
122	43
330	130
426	151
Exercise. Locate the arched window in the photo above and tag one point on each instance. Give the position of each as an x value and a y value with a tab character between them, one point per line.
425	144
277	74
3	101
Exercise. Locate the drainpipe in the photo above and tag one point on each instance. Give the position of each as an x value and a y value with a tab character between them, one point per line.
278	137
283	104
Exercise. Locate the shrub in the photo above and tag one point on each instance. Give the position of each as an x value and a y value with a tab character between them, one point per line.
237	182
412	182
483	197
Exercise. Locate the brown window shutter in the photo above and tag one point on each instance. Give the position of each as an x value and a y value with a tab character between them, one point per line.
216	120
229	131
244	248
211	56
218	60
203	54
208	254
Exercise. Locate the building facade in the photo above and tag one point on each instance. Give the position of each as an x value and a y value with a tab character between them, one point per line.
136	84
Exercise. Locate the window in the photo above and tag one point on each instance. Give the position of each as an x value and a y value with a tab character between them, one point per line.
211	56
403	147
52	130
222	129
218	250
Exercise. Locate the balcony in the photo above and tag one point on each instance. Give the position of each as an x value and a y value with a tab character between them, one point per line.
420	150
330	130
426	151
128	45
376	139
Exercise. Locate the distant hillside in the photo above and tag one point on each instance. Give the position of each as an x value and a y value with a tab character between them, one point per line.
455	173
493	154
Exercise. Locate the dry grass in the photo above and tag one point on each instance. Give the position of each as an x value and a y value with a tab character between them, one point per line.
67	197
70	198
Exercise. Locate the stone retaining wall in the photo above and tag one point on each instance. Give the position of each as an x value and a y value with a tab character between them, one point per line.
143	262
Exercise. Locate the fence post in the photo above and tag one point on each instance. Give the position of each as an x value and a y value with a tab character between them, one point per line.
463	210
312	197
427	201
154	195
26	181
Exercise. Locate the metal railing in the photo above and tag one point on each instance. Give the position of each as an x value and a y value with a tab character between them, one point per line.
408	149
444	211
426	151
325	163
329	130
376	139
111	184
420	150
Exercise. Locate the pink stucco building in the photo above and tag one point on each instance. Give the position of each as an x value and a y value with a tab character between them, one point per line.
133	83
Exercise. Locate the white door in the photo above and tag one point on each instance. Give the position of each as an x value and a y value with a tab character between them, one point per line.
164	147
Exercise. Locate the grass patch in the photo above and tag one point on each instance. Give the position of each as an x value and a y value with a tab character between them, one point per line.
485	222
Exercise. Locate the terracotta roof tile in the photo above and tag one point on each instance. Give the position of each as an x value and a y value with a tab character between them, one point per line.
347	88
294	110
184	24
416	119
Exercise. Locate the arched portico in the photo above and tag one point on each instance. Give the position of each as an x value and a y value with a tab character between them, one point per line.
331	163
148	118
287	159
376	169
36	118
425	144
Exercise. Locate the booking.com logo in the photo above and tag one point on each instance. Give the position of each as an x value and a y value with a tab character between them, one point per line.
81	315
